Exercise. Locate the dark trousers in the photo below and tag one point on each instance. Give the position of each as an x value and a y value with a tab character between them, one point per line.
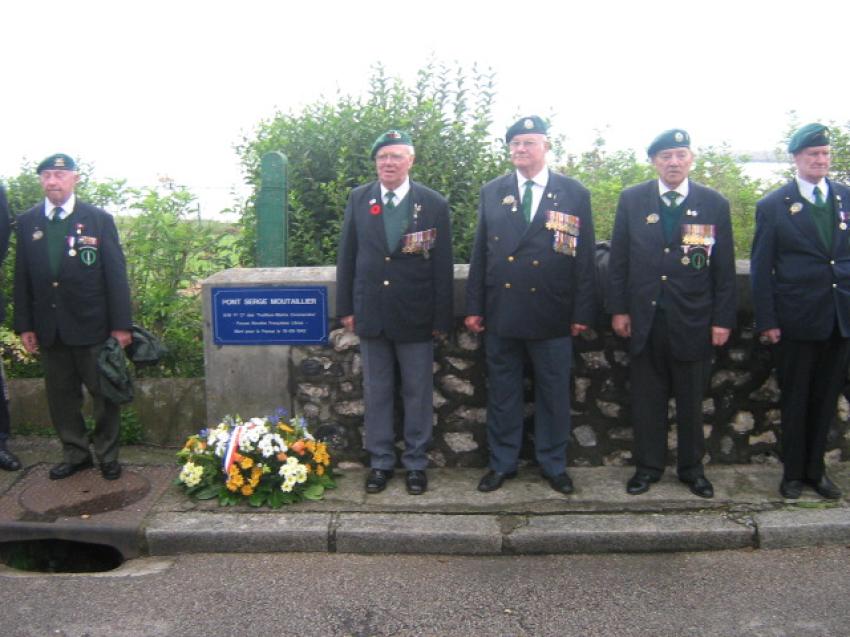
416	364
811	375
66	370
552	360
656	376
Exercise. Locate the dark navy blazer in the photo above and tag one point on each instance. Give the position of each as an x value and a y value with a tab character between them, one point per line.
799	285
404	296
89	298
521	281
642	261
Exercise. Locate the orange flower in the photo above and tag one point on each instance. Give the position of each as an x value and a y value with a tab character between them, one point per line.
247	489
298	447
320	469
246	463
281	457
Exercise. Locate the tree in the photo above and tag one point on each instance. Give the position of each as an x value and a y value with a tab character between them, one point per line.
448	114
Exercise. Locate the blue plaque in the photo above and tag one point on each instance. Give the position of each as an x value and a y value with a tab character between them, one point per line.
270	316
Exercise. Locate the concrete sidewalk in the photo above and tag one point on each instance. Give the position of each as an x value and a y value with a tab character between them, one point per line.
525	516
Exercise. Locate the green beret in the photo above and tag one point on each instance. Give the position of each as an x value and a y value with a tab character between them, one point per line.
673	138
391	138
808	135
532	124
59	161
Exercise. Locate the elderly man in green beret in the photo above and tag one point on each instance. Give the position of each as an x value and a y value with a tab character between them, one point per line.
671	292
71	295
800	274
394	289
530	291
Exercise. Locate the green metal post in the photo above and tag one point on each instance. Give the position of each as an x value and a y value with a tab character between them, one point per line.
272	215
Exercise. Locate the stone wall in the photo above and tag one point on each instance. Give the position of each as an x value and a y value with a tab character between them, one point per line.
741	411
169	409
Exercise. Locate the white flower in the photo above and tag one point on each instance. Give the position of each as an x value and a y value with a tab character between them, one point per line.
271	444
191	474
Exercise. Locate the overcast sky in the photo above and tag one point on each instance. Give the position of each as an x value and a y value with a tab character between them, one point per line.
165	88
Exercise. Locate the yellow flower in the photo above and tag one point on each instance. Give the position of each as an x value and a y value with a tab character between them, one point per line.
256	474
311	446
246	462
320	470
284	427
247	489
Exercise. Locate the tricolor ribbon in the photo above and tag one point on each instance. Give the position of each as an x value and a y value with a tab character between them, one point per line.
232	446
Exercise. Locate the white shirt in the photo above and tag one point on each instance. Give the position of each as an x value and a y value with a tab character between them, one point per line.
67	207
541	180
399	193
808	190
683	189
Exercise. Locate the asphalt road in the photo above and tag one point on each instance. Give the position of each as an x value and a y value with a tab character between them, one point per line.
793	593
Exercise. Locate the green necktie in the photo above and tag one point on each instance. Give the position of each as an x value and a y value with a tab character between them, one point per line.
819	202
527	198
56	215
672	196
390	196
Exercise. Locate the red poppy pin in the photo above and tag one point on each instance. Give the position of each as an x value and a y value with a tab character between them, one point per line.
375	209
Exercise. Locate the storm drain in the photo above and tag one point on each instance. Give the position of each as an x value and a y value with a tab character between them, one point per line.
59	556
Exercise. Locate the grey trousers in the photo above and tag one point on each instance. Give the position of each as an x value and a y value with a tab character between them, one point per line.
66	370
415	361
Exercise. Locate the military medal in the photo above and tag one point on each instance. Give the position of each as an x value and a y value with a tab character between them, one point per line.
842	226
72	252
685	260
796	207
653	218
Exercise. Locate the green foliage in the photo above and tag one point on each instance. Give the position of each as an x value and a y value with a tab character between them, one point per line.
168	254
447	112
606	175
719	169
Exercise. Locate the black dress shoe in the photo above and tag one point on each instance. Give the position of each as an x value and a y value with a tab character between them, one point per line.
67	469
416	482
825	488
639	483
791	489
700	486
562	483
110	470
9	461
377	480
492	480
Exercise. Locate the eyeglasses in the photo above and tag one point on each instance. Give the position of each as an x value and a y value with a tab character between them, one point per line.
390	157
526	143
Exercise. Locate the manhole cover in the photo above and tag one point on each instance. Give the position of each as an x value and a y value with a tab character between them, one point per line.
84	493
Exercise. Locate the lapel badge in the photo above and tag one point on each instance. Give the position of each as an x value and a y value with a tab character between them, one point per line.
653	218
796	207
691	213
509	200
38	234
842	226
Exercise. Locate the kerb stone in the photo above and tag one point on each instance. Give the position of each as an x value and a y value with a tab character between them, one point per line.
175	533
627	533
802	527
418	533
